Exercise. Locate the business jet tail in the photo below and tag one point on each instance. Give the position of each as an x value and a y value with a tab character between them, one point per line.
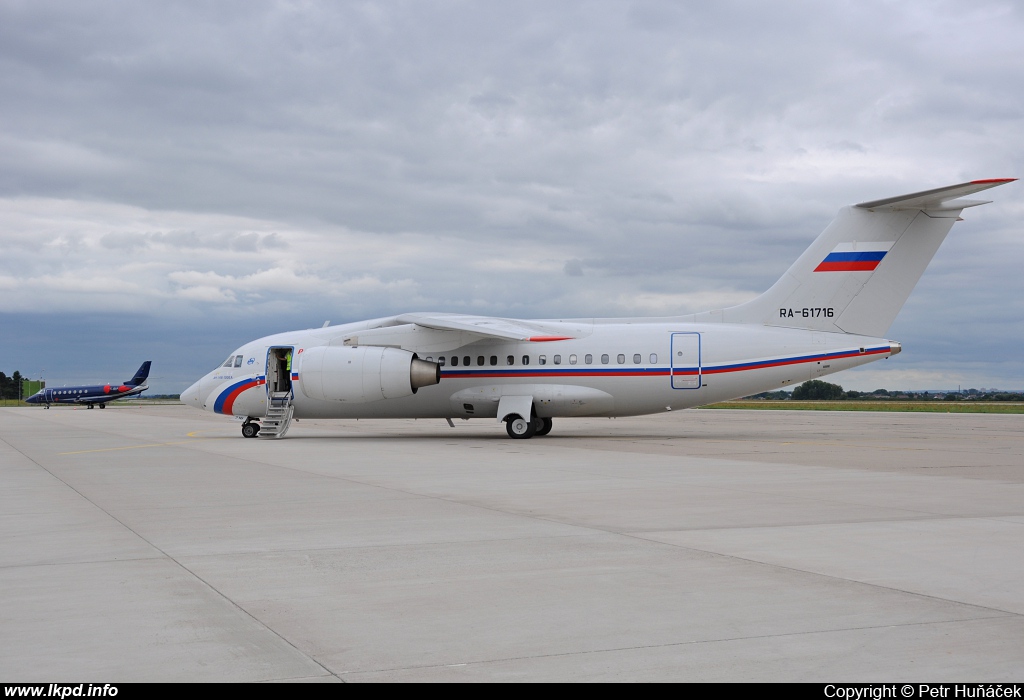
141	375
858	273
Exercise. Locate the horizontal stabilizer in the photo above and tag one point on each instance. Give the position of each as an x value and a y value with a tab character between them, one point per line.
939	198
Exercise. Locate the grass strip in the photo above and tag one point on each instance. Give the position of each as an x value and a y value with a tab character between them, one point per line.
883	406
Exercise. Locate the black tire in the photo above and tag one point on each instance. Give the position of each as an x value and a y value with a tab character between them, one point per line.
90	406
518	428
250	430
103	405
545	426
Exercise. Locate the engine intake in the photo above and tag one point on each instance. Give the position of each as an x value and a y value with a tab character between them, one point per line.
363	374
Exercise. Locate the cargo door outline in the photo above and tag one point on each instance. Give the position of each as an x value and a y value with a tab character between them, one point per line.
684	361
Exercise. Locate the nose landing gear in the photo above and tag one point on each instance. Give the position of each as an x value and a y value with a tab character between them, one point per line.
250	428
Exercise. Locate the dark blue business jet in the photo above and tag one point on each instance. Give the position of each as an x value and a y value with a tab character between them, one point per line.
94	394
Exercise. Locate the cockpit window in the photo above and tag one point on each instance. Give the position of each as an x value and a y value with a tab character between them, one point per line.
233	361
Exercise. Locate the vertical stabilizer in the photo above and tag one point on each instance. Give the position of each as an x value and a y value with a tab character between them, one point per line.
141	376
859	272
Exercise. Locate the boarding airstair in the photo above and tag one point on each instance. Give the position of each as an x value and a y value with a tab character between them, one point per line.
279	415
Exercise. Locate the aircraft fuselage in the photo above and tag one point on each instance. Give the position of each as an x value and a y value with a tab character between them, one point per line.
604	368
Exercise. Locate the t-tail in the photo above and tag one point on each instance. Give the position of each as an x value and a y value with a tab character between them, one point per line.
140	376
859	272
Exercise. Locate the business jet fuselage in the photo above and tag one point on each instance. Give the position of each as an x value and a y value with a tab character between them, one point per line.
828	313
93	394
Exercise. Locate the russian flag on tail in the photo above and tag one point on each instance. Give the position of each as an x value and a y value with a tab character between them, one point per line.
854	257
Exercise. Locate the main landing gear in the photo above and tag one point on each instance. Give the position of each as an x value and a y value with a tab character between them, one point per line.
250	429
518	428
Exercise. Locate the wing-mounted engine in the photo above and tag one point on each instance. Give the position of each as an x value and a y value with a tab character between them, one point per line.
363	374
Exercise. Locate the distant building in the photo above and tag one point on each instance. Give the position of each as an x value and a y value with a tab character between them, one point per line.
31	386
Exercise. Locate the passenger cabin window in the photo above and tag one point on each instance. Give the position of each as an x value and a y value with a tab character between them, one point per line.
526	359
494	360
621	359
480	360
455	360
557	359
636	359
654	358
572	359
440	360
465	361
604	359
510	360
542	359
588	359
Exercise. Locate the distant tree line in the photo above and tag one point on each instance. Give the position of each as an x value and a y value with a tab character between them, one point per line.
817	390
10	387
17	387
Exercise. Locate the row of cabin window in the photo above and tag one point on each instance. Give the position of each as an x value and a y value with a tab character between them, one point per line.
542	360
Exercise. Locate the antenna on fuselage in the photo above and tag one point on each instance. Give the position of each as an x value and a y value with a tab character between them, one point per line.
326	323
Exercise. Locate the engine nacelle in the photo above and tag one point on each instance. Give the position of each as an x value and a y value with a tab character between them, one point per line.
363	374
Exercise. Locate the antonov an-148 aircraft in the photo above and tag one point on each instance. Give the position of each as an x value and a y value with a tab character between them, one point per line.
829	312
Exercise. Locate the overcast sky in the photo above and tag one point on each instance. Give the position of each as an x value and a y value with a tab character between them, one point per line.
178	178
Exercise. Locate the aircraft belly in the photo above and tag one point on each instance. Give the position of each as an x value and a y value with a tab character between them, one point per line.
602	397
549	400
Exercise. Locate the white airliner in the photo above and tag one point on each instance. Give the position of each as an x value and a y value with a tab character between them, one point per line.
829	312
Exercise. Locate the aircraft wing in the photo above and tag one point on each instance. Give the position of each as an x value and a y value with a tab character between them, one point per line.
433	332
484	326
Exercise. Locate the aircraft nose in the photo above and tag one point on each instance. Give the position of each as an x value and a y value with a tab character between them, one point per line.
191	396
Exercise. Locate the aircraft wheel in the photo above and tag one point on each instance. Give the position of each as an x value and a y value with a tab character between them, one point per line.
89	407
543	425
518	428
103	405
250	430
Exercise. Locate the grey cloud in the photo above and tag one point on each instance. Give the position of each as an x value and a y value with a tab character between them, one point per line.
124	241
192	240
663	147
